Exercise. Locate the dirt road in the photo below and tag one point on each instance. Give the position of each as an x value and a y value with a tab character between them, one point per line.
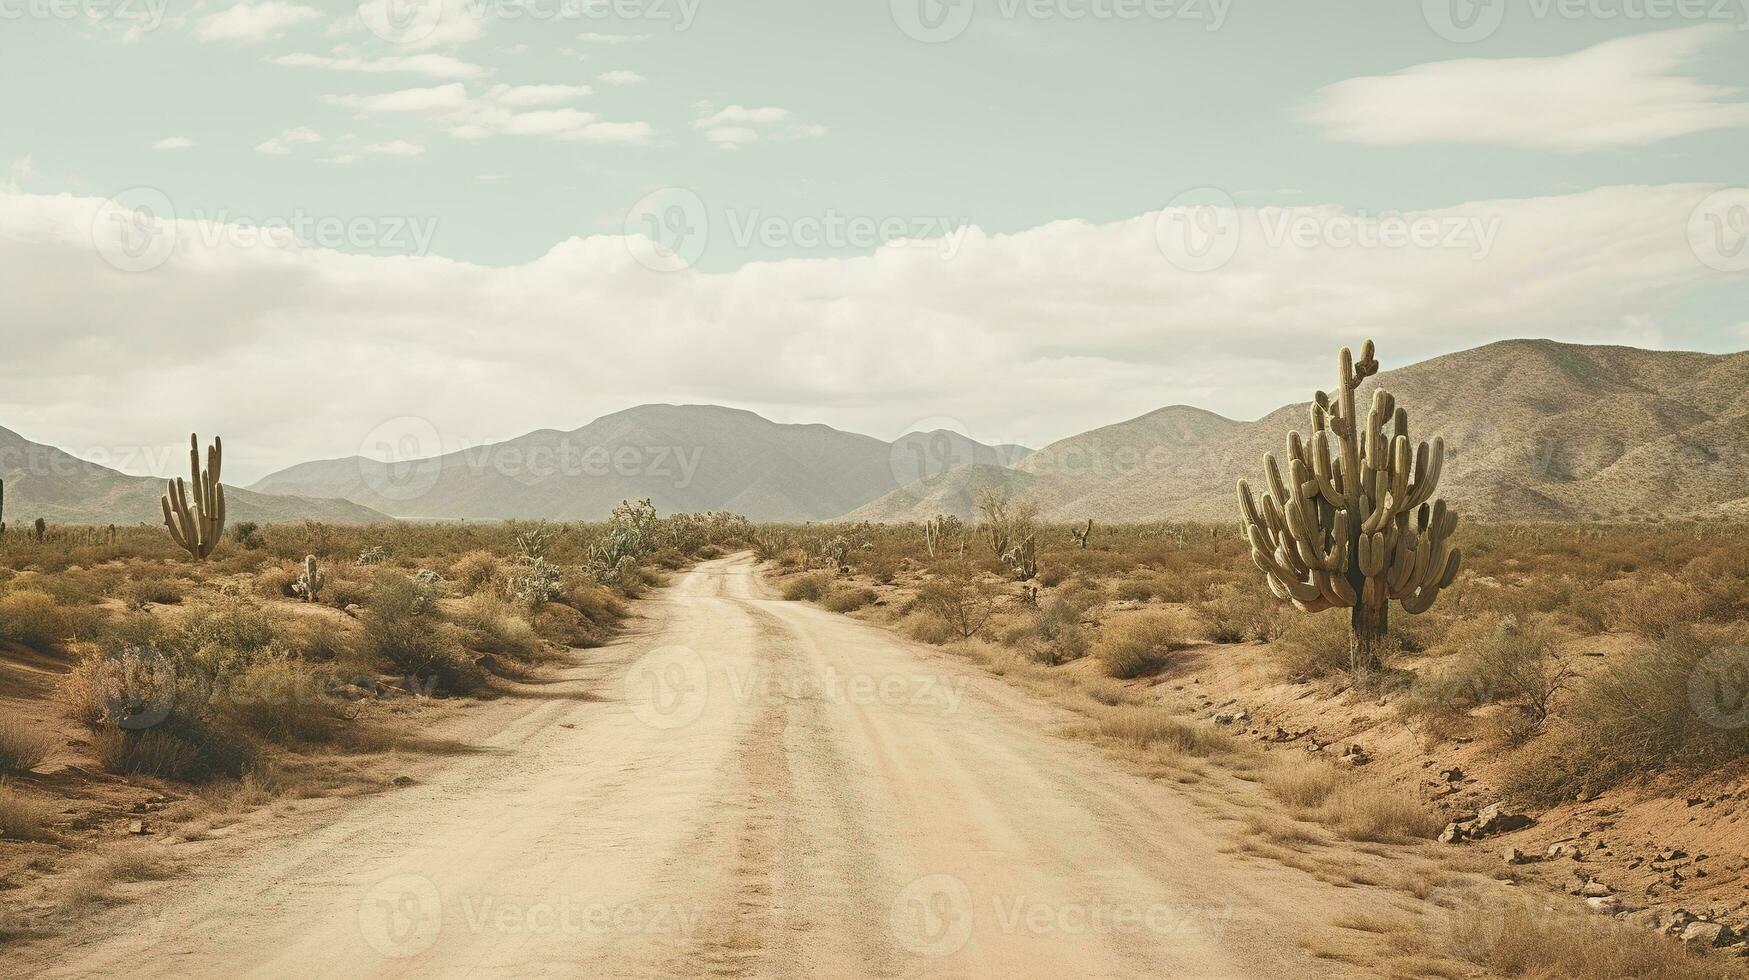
763	789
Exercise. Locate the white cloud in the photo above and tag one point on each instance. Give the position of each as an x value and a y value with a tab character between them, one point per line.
339	159
620	77
253	22
173	143
282	144
451	96
396	148
612	39
1621	93
537	95
737	126
432	65
872	342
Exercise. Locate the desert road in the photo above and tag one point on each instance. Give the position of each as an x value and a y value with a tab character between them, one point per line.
756	788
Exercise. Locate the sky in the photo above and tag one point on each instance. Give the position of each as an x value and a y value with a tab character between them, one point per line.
319	228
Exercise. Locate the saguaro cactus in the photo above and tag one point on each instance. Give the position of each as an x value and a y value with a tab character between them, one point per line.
196	528
1354	525
1082	535
308	585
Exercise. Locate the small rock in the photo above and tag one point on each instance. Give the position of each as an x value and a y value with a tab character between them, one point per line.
1452	834
138	827
1707	935
1495	819
401	781
1452	775
1605	904
1595	889
1673	854
1515	856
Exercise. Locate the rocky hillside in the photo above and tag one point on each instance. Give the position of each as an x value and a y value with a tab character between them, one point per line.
42	481
1535	430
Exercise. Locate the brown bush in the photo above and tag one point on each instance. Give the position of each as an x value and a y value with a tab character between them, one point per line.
31	617
1138	644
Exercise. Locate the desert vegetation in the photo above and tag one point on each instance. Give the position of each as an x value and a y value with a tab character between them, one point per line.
231	671
1565	669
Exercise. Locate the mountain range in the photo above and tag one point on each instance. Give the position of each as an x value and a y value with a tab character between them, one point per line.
1534	430
42	481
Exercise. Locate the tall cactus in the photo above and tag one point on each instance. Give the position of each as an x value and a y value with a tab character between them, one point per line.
1355	525
196	528
308	585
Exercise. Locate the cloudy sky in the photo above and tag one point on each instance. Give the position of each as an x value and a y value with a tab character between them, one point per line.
303	224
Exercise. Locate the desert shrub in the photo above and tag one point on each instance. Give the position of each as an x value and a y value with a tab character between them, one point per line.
1050	577
279	700
958	596
1497	660
925	626
31	617
344	590
806	588
1239	614
1524	940
1149	726
22	817
1358	807
276	582
847	600
248	535
476	571
1678	705
21	748
492	626
1314	645
403	629
323	642
153	718
1137	645
140	593
1135	589
1054	634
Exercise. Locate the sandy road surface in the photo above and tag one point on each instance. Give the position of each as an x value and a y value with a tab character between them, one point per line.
764	789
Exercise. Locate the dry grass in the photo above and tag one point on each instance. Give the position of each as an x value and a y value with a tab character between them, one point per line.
33	618
1151	727
1360	808
21	748
23	816
1139	644
1517	941
93	883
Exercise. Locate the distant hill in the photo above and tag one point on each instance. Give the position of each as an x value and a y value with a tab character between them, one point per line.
1534	430
45	482
682	457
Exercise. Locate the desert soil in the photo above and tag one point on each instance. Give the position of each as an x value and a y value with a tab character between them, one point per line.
741	786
